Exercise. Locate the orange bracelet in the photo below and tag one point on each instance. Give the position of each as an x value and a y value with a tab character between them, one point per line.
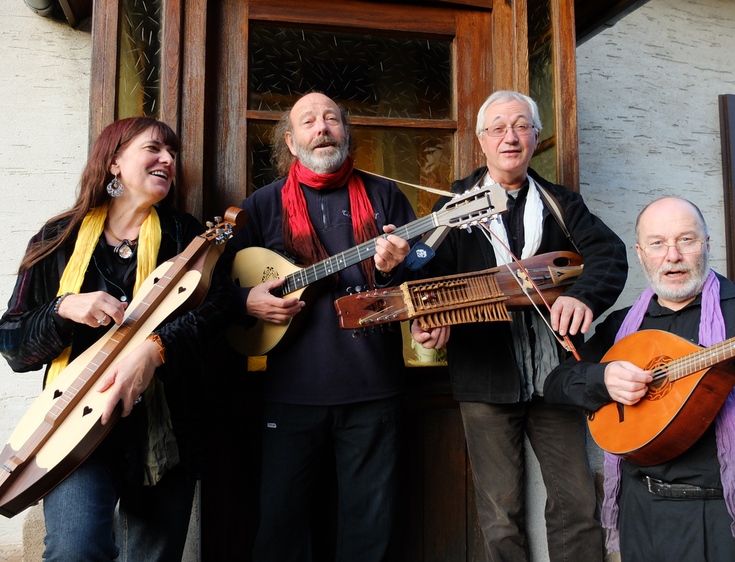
161	349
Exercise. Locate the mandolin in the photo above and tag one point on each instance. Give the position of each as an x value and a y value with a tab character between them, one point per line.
62	427
254	265
479	296
689	387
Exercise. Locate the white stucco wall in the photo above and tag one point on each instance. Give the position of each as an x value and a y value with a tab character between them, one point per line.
44	121
649	119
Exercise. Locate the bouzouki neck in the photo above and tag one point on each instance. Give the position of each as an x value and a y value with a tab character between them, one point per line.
462	211
343	260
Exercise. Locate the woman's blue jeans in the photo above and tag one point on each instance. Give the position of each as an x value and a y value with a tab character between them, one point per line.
81	523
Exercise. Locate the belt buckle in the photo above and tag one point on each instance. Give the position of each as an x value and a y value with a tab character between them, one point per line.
649	480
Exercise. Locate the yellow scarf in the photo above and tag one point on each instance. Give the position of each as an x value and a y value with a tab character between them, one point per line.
149	241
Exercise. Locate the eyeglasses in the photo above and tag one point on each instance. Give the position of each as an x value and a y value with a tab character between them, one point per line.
683	246
499	131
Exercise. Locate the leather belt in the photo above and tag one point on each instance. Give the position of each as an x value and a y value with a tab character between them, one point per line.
680	491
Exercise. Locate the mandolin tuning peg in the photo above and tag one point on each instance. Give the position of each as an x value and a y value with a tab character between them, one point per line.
349	290
355	334
217	220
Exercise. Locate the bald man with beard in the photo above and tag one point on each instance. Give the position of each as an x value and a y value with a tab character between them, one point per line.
329	397
681	509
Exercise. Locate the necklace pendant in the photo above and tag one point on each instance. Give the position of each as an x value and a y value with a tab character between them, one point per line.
125	249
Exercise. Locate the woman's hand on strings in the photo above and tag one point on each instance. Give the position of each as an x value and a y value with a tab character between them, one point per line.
93	309
570	316
127	380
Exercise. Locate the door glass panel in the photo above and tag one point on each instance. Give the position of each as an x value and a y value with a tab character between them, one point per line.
371	75
541	60
140	58
542	88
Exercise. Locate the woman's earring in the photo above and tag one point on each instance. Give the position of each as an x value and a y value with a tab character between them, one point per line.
115	188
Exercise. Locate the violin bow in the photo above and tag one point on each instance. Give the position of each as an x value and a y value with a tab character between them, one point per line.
564	341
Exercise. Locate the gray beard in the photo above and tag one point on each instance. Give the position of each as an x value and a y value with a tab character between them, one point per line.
324	163
692	288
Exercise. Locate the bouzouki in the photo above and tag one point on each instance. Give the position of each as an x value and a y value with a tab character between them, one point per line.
62	427
254	265
689	386
479	296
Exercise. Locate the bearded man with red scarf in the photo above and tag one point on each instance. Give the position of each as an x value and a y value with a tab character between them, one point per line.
328	395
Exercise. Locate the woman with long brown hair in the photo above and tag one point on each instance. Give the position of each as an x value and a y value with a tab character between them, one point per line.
76	279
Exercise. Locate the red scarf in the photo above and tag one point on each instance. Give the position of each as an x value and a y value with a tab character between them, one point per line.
299	237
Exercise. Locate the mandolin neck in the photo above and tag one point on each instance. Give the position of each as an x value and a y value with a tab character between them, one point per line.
699	360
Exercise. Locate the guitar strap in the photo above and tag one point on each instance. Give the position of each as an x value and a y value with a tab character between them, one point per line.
556	211
424	250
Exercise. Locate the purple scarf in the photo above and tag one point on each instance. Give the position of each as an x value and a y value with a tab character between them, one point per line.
711	331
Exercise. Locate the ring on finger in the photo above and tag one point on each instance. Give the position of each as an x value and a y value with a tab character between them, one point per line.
102	320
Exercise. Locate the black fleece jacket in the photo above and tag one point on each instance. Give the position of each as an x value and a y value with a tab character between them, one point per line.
320	363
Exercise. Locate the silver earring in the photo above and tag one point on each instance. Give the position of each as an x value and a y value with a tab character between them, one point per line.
115	188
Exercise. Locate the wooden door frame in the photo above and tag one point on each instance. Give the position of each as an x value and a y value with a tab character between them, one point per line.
184	84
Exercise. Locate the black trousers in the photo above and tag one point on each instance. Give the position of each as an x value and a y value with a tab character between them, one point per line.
656	529
364	440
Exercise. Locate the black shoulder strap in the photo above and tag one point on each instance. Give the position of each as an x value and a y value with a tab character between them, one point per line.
556	211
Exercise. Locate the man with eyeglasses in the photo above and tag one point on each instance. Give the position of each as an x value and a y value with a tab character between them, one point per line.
497	369
681	509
